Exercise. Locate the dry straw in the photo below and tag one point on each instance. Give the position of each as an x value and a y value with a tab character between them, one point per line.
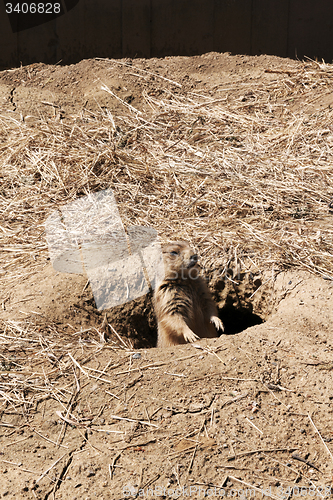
246	168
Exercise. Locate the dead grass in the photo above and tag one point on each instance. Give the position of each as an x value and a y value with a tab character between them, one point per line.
36	362
243	176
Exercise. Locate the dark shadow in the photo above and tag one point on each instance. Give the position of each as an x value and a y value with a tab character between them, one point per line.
134	321
236	320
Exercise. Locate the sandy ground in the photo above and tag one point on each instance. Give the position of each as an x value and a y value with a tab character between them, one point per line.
252	409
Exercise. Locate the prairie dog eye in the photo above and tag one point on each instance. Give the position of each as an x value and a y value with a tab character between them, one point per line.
174	253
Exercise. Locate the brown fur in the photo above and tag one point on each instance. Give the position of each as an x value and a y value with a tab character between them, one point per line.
184	307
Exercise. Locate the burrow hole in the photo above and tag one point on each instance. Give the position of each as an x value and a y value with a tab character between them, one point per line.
241	304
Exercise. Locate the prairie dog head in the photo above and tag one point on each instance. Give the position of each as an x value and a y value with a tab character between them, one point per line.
180	261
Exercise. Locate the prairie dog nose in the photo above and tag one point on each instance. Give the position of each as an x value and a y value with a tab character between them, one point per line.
193	260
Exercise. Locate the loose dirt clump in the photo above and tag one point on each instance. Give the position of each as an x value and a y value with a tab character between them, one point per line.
233	154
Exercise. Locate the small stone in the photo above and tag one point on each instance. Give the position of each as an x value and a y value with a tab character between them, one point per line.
33	485
195	407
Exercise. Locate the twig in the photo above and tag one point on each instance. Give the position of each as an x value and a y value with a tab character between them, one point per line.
232	449
134	420
240	379
300	459
249	421
108	431
50	104
18	441
118	336
185	450
234	400
192	459
175	374
150	481
269	390
137	445
69	421
315	428
111	394
260	451
47	439
88	442
19	466
79	366
111	466
271	458
51	467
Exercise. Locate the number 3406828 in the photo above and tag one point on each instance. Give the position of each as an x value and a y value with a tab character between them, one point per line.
33	8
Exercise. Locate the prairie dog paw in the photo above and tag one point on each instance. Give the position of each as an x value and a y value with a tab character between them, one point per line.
190	336
217	323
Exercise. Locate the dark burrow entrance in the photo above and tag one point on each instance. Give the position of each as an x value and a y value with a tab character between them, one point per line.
236	320
135	321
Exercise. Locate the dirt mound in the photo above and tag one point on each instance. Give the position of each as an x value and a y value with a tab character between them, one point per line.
230	413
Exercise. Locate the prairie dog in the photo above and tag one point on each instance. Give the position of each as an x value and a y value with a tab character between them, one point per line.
184	308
